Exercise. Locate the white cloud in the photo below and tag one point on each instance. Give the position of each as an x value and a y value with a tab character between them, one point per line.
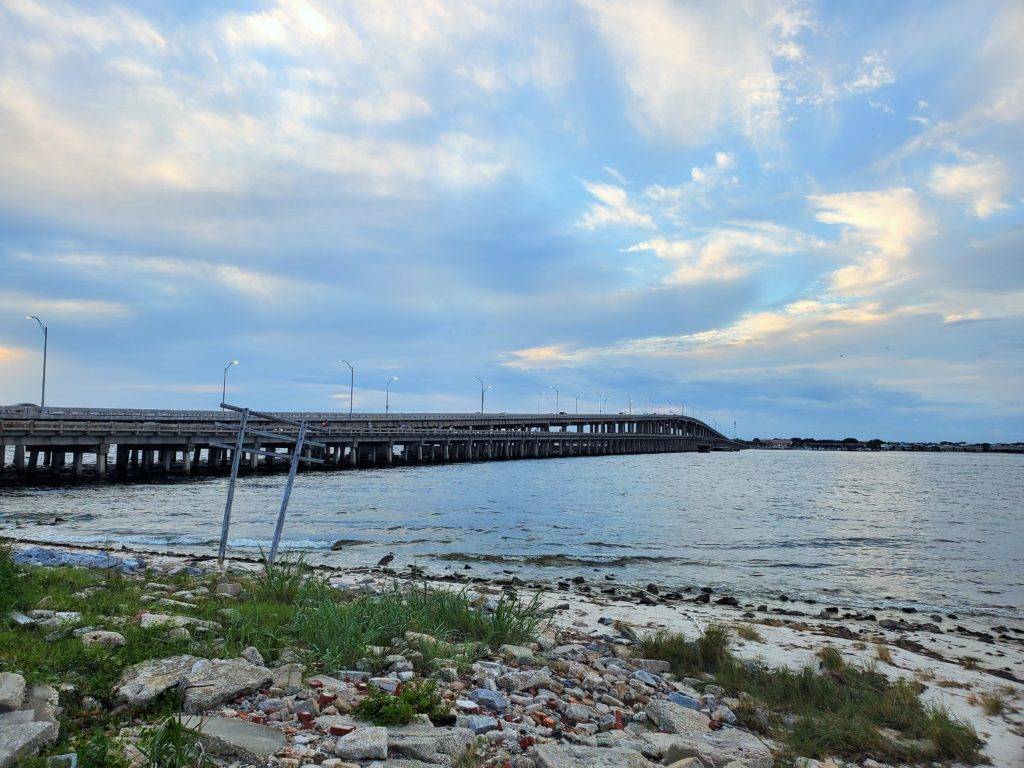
84	310
172	272
872	74
703	179
726	253
879	229
982	184
611	208
691	70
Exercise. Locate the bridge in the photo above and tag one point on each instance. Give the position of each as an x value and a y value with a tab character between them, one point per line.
102	443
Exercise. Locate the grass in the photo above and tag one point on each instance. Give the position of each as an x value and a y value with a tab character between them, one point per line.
172	745
337	633
993	703
838	711
10	582
883	654
382	708
283	606
748	632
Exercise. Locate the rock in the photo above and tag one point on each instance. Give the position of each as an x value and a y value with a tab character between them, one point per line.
44	703
104	638
12	691
717	749
69	760
524	679
515	653
211	682
288	677
492	700
677	719
18	742
253	656
646	678
232	737
683	700
657	666
229	589
478	724
727	600
574	756
141	683
363	744
427	743
149	620
389	684
723	714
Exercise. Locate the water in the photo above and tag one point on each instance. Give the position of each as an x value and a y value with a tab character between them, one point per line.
937	531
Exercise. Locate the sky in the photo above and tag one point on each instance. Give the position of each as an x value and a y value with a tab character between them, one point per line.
800	218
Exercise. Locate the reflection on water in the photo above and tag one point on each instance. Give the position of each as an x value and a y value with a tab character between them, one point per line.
936	530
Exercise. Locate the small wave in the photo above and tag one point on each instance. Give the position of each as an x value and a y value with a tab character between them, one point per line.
555	560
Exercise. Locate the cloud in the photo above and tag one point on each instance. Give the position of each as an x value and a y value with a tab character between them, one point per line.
726	253
171	273
552	356
612	208
84	310
703	179
11	354
690	70
879	229
872	74
982	185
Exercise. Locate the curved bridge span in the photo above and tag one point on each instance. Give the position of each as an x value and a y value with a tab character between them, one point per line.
103	443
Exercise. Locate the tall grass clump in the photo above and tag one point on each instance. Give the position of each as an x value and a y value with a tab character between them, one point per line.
172	745
382	708
338	633
10	582
837	711
284	581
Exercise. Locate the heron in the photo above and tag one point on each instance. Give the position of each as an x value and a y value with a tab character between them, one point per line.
385	561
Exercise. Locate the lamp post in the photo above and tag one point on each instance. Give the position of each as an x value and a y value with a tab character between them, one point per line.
556	397
539	396
387	394
46	337
351	383
578	404
629	400
224	385
483	388
600	397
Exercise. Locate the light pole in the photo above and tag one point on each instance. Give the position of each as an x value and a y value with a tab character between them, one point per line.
351	383
483	388
629	400
600	397
539	396
46	338
556	397
578	404
224	385
387	394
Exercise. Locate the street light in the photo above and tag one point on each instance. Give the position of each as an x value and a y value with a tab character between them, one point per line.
556	397
578	404
539	396
483	388
599	398
46	336
629	400
387	394
351	383
224	386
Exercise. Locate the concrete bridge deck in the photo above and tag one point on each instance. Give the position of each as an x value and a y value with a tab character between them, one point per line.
154	442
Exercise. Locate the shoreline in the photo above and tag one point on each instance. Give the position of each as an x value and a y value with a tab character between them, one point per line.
954	663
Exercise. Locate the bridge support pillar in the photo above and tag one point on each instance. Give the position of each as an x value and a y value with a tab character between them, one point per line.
76	463
19	458
101	461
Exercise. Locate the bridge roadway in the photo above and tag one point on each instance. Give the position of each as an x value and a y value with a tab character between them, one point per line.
155	442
